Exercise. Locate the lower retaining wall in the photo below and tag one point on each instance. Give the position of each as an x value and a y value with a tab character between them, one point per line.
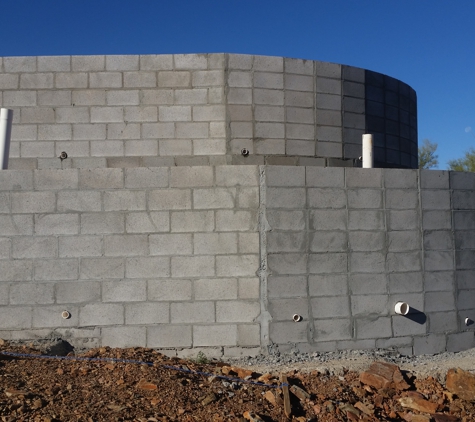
185	258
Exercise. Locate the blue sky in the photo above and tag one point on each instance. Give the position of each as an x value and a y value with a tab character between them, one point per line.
428	44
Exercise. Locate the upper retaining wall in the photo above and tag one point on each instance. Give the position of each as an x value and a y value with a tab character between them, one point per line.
202	109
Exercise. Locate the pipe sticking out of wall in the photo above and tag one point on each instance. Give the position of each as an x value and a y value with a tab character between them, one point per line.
402	308
6	118
368	162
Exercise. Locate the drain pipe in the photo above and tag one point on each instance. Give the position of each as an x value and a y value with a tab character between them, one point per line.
6	118
368	151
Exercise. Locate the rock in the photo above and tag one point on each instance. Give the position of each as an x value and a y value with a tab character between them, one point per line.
384	375
365	408
269	396
252	417
210	398
299	392
145	385
439	417
461	383
418	403
2	342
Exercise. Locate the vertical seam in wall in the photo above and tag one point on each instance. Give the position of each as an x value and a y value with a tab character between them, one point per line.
311	322
454	260
264	317
423	270
348	256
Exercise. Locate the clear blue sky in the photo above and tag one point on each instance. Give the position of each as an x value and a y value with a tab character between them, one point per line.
428	44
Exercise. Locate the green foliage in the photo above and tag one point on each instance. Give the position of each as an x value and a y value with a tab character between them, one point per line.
467	163
201	358
427	156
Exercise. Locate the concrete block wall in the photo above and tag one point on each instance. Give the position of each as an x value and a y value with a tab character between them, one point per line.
202	109
345	245
157	257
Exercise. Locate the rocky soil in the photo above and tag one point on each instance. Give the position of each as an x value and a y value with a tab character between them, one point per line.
143	385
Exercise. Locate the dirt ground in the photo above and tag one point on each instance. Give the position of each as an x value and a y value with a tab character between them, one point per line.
143	385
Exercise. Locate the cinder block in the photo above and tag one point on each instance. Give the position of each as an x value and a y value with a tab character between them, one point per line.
156	62
240	61
401	262
87	63
248	335
237	176
460	341
192	221
101	314
169	336
443	239
147	313
101	268
285	176
285	197
124	291
438	260
366	241
174	113
107	114
328	219
69	80
286	220
286	242
329	307
267	97
77	292
463	220
88	97
122	62
80	246
332	329
4	288
216	289
325	177
191	176
175	147
209	113
193	266
287	263
240	79
354	105
50	316
461	180
171	244
210	147
37	115
156	97
402	199
192	312
175	79
125	131
330	134
237	265
399	241
101	178
438	220
442	322
96	223
124	200
79	201
442	281
327	263
12	225
31	293
60	269
215	335
17	270
19	98
147	267
208	78
403	220
141	114
169	199
38	149
406	282
213	243
141	148
190	61
439	301
237	311
403	326
302	67
365	198
373	327
327	285
149	222
123	336
286	287
140	79
462	200
367	262
33	202
369	305
169	290
230	220
248	243
36	80
54	224
56	179
333	102
434	179
126	245
191	130
361	284
17	318
439	199
214	198
23	133
86	132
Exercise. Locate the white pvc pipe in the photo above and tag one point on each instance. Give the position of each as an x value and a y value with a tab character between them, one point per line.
368	151
402	308
6	118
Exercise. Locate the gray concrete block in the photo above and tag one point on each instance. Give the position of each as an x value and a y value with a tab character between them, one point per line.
192	221
284	309
329	86
90	97
434	179
208	113
89	132
19	98
126	245
237	265
140	79
461	199
38	149
460	341
191	130
327	285
34	247
237	176
36	81
439	301
365	198
101	268
156	62
4	288
354	105
438	260
17	270
147	267
22	133
285	287
31	293
403	220
215	335
332	329
149	222
169	290
171	244
16	180
230	220
33	202
287	264
329	117
54	98
12	225
60	269
214	198
403	326
248	243
122	62
248	335
405	282
78	292
437	199
124	291
87	63
169	336
465	299
285	176
465	279
369	305
286	220
331	241
461	180
156	97
127	131
438	220
124	200
442	239
367	283
268	97
69	80
288	332
37	115
95	223
169	199
366	220
202	78
286	242
101	314
363	178
216	289
268	114
123	336
441	281
101	178
327	263
399	241
192	266
50	316
373	327
192	312
191	96
237	311
20	64
298	131
403	261
328	219
329	70
213	243
18	317
463	240
329	307
154	177
190	61
141	148
402	199
78	201
56	179
147	313
366	241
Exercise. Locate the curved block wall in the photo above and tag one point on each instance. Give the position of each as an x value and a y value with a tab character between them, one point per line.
201	109
149	236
